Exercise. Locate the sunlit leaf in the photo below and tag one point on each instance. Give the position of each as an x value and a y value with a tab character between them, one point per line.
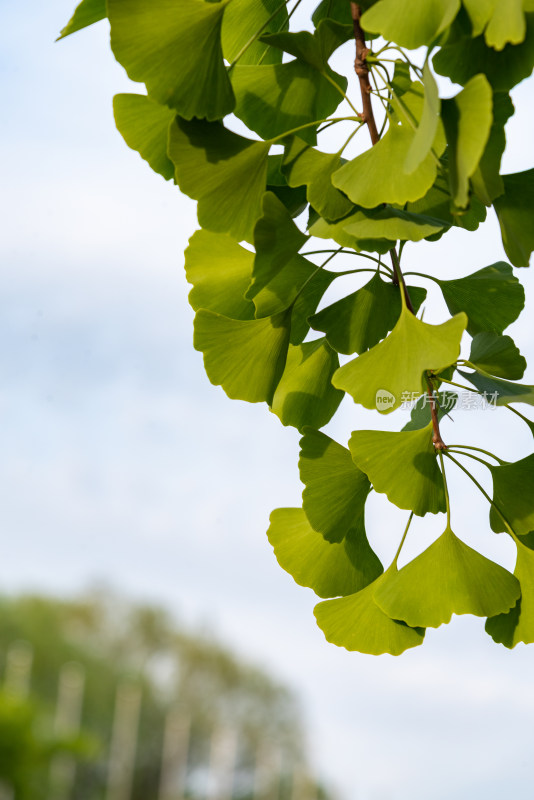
515	210
402	466
356	623
428	126
336	231
313	48
245	357
305	395
486	180
503	22
410	23
144	126
518	624
361	319
391	223
448	578
242	19
331	570
467	118
87	13
437	203
420	415
382	377
497	355
225	172
513	494
492	298
335	489
504	392
157	43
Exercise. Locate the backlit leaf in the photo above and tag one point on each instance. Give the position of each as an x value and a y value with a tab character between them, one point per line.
497	355
513	494
391	223
410	23
242	19
87	13
428	126
486	180
144	126
437	203
518	624
504	391
503	22
515	210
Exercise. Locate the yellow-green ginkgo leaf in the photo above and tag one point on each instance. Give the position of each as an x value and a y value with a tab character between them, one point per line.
503	22
331	570
87	13
391	223
335	490
384	376
403	466
242	19
157	43
513	495
245	357
144	126
225	172
305	395
448	578
355	622
428	126
518	624
410	23
486	180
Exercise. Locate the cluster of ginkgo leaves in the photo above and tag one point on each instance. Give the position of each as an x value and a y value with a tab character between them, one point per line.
211	66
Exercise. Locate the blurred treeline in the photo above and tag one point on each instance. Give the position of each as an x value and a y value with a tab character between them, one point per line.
179	674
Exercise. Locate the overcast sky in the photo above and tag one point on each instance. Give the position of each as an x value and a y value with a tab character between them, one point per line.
120	462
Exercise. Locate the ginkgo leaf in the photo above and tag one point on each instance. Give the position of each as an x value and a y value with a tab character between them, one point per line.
355	622
144	126
157	44
313	48
515	209
497	355
504	23
448	578
242	19
274	98
391	223
361	319
492	297
502	392
428	126
299	280
518	624
467	118
403	466
220	271
335	489
303	165
420	415
331	570
437	203
305	395
225	172
245	357
410	23
395	367
486	180
87	13
464	57
513	495
336	231
374	177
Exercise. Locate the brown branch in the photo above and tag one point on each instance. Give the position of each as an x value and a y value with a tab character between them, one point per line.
398	279
362	71
437	441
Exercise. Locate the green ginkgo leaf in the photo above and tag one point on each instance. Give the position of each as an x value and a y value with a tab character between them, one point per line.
336	230
274	98
492	298
518	624
355	622
242	19
410	23
391	223
245	357
515	209
403	466
359	321
144	126
313	48
385	375
87	13
335	489
464	57
504	23
420	415
303	165
375	177
513	495
157	44
497	355
437	203
499	391
467	118
220	271
305	395
486	180
448	578
428	126
225	172
331	570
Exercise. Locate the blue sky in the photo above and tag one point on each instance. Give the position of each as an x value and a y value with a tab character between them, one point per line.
120	462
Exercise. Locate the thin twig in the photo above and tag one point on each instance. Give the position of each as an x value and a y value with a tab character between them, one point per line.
362	71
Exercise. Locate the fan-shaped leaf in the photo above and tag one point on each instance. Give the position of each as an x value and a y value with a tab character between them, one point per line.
410	23
157	43
242	19
497	355
394	368
504	23
391	223
504	392
420	416
428	127
402	466
437	203
515	210
486	180
313	48
336	231
518	624
144	126
331	570
335	489
448	578
513	494
87	13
